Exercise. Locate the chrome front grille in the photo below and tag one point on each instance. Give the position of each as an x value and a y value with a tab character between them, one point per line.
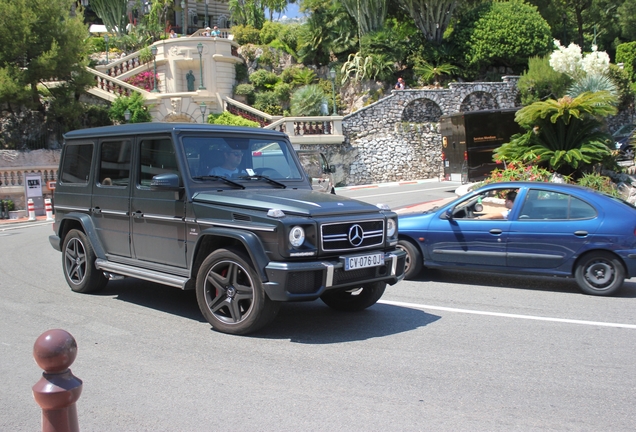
352	235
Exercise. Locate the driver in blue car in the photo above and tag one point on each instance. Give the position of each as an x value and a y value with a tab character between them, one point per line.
510	200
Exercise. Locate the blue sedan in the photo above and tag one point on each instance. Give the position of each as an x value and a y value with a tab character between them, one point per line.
527	228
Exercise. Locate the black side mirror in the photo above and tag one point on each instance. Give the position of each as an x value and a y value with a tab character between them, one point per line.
332	169
165	181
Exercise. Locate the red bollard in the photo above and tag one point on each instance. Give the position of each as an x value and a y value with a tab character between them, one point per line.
58	389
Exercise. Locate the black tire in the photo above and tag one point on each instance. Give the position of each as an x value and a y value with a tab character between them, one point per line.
413	263
78	263
600	273
230	294
356	299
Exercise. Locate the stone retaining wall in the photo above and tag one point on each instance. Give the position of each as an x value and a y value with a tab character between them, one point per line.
398	138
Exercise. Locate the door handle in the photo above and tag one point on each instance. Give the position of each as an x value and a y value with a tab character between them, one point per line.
495	231
580	233
97	210
138	214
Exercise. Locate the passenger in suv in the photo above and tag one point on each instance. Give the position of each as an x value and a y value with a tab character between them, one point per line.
140	201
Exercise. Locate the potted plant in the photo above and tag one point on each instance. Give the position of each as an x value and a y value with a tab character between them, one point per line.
9	208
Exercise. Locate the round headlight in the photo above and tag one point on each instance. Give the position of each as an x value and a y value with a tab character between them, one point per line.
297	236
391	227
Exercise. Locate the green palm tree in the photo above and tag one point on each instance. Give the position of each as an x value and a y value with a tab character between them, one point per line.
563	134
307	101
430	72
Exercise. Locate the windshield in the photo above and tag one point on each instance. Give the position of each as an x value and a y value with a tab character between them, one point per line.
239	158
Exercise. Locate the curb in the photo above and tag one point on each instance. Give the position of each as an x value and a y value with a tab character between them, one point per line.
24	220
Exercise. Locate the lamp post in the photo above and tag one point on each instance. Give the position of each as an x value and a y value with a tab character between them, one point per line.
203	107
106	40
206	14
332	74
200	49
153	50
184	29
127	115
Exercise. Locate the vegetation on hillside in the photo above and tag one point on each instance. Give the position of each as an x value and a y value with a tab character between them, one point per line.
424	41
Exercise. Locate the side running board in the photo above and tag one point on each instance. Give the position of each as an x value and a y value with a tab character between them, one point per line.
140	273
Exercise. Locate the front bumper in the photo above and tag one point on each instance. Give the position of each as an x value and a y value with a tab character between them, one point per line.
309	280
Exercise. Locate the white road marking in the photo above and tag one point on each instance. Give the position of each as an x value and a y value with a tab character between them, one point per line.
506	315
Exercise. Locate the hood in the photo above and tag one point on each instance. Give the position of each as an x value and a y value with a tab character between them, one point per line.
291	201
415	222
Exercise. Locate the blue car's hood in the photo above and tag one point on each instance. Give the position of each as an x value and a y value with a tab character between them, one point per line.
415	222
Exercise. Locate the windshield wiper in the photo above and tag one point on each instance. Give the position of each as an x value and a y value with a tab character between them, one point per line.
267	179
215	177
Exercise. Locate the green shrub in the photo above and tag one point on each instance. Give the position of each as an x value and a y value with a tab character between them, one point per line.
268	102
269	57
620	78
135	104
289	35
97	115
227	118
263	79
303	76
541	81
518	172
246	90
8	204
626	54
600	183
246	34
502	34
283	91
145	55
270	31
307	101
241	72
96	44
287	75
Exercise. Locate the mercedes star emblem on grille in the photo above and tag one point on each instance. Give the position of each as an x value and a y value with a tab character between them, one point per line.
356	235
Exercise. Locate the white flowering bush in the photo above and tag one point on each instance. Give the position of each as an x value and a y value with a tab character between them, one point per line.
571	61
596	62
567	60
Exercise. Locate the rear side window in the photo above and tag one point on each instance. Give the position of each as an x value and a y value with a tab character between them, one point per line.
76	166
114	166
543	205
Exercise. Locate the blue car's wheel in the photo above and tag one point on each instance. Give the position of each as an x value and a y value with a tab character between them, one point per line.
413	263
600	273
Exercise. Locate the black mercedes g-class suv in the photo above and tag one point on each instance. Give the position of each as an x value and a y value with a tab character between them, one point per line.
227	211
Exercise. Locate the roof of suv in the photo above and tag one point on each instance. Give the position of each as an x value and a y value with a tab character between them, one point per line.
165	127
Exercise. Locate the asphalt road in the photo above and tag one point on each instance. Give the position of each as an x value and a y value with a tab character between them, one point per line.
449	352
405	196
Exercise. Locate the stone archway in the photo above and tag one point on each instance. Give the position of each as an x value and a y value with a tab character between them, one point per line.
179	118
422	110
478	101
